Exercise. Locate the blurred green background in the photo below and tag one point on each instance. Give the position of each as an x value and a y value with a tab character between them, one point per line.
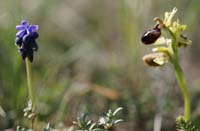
90	60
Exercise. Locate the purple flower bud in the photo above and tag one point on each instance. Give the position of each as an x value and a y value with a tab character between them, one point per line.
18	41
34	45
30	55
26	38
23	53
35	35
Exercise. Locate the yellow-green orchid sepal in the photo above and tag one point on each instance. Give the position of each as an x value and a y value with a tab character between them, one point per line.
177	28
161	49
168	20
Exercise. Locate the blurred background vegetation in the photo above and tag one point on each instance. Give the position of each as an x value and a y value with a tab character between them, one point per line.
90	60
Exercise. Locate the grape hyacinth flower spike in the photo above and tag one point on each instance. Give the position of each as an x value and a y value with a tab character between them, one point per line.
26	39
26	42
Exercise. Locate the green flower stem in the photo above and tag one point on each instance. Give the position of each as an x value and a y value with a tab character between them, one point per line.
29	80
180	76
182	83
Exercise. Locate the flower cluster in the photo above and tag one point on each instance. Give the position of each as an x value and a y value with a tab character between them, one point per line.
26	39
167	37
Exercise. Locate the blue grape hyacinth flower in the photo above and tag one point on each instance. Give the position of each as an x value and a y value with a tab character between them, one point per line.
26	39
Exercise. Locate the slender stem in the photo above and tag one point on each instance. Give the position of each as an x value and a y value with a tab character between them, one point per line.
29	80
180	76
182	83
